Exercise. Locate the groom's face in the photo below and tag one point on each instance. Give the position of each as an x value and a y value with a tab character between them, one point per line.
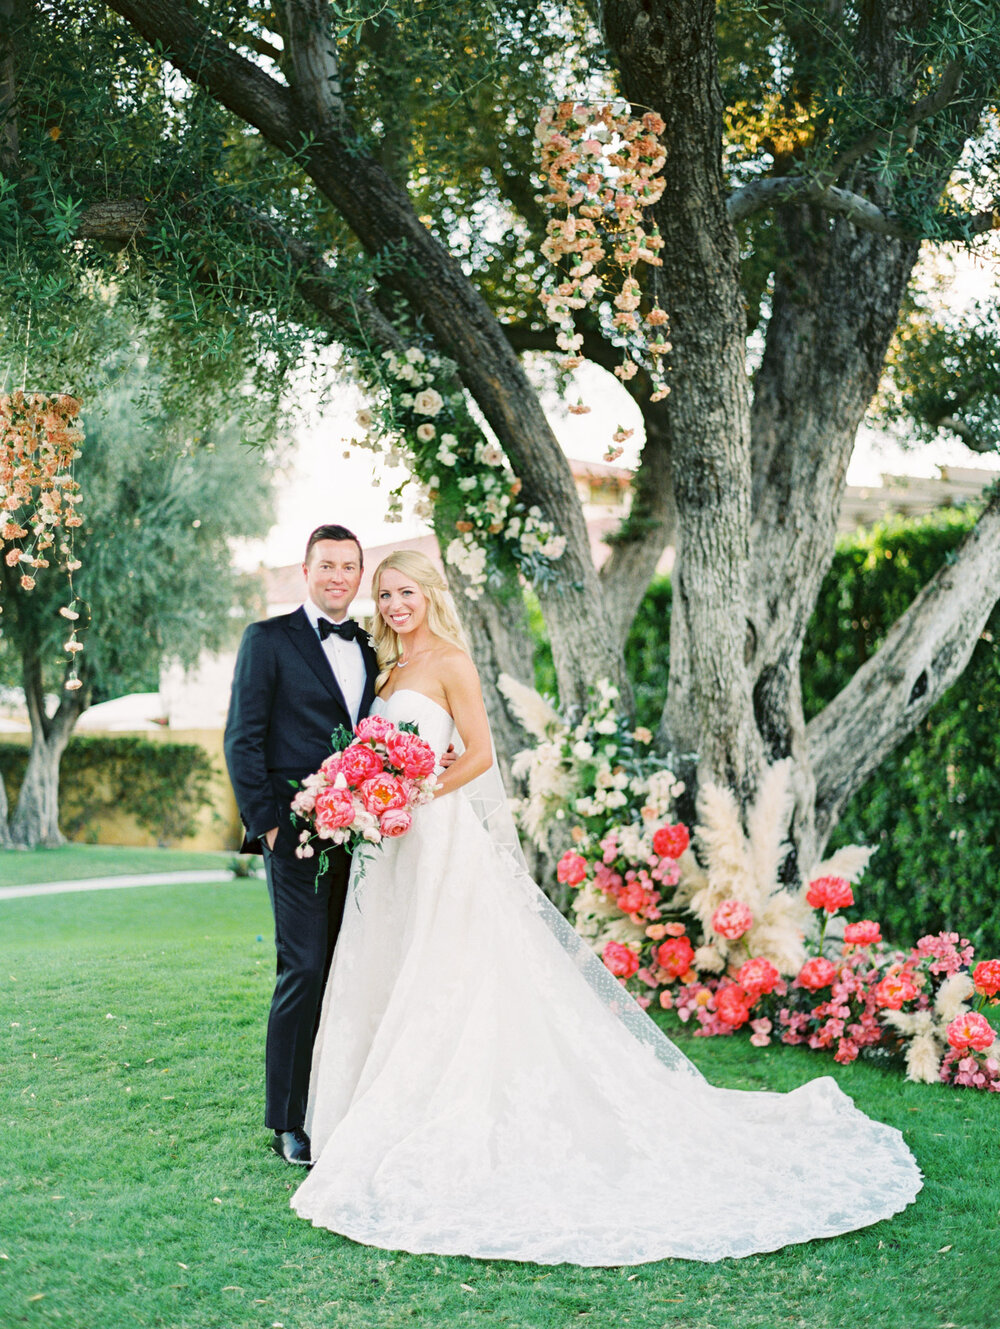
333	575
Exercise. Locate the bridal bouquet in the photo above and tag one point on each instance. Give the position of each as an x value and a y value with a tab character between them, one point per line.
366	790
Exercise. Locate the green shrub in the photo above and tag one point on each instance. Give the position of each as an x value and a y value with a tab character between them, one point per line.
163	786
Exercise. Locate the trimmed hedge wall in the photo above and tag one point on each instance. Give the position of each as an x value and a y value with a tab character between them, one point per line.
163	786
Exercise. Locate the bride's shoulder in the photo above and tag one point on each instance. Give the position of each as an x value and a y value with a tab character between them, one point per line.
455	660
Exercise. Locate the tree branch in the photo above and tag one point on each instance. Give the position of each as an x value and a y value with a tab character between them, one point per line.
454	312
925	651
313	52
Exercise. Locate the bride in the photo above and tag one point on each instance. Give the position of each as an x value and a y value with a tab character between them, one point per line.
483	1086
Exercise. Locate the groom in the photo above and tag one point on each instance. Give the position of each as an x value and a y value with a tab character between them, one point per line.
297	678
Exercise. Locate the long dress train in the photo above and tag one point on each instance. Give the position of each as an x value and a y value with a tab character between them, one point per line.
483	1086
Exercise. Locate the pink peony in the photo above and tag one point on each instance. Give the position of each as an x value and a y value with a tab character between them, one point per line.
986	977
671	841
632	897
571	868
334	809
621	960
359	763
675	957
894	990
817	973
758	976
395	821
864	933
970	1032
382	793
330	767
375	728
731	919
732	1005
830	893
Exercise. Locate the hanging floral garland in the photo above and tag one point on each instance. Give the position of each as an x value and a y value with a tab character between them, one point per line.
422	419
599	164
39	441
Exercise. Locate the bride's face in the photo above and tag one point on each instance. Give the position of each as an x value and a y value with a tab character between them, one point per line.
401	602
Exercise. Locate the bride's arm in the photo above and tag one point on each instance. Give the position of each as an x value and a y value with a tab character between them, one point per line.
465	701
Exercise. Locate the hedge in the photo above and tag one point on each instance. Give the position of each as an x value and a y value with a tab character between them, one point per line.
163	786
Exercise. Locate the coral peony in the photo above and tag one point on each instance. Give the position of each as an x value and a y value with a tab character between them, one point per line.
758	976
731	919
986	977
571	868
894	990
864	933
732	1004
830	893
359	763
971	1032
671	841
411	755
817	973
334	809
675	956
383	792
621	960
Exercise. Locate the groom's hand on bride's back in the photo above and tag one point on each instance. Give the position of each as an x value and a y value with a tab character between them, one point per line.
448	757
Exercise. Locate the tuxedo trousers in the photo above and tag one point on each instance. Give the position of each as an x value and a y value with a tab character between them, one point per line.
307	918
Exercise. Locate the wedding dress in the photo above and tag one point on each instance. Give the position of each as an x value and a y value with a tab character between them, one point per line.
483	1086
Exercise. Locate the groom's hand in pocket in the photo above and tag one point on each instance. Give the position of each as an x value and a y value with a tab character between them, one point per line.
270	837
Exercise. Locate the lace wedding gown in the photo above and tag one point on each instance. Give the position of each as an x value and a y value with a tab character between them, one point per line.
483	1086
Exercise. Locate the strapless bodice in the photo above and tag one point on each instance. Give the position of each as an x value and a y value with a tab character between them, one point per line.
433	722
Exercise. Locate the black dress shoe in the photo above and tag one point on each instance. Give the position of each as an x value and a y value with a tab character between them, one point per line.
293	1146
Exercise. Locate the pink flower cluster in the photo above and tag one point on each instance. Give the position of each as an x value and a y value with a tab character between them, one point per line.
365	792
635	888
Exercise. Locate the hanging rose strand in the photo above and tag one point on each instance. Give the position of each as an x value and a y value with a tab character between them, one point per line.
599	164
39	441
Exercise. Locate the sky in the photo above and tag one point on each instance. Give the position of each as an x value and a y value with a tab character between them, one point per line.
322	484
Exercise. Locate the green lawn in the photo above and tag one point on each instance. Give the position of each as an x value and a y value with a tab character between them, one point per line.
137	1187
72	861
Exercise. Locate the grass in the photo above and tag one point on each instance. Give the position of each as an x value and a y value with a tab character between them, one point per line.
137	1188
69	862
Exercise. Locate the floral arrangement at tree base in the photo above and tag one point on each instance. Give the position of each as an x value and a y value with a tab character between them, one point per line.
715	936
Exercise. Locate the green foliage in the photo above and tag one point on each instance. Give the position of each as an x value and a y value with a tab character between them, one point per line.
163	786
944	373
931	808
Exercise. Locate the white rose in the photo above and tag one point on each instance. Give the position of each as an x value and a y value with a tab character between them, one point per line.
406	401
425	433
428	402
467	483
582	751
444	456
365	418
490	454
450	441
415	355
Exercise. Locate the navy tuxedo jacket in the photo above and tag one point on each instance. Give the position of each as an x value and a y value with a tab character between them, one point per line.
285	704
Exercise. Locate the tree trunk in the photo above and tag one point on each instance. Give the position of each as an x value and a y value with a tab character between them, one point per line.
668	57
5	840
36	819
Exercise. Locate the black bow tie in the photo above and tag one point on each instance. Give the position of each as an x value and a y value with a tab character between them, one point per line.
346	631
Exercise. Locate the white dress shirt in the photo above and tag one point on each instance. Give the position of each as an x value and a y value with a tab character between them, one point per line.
346	661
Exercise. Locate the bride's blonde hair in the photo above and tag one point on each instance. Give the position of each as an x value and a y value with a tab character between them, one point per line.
442	618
